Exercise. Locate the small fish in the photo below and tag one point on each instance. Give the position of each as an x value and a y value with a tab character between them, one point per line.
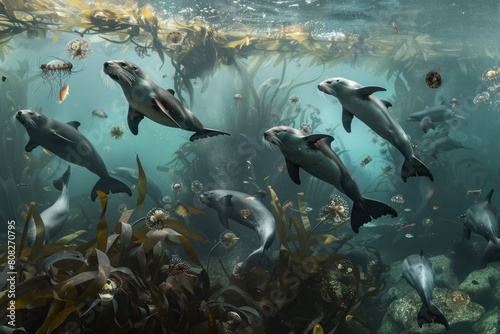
474	192
435	207
47	188
9	139
181	210
237	97
266	178
63	93
405	227
408	235
4	78
47	152
461	216
407	209
348	317
249	198
22	185
395	26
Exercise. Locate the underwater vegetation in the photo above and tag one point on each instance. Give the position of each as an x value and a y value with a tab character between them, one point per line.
128	281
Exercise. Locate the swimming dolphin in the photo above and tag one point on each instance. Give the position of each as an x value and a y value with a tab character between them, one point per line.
55	216
248	211
439	113
482	218
419	273
359	101
65	141
314	154
443	144
131	175
147	99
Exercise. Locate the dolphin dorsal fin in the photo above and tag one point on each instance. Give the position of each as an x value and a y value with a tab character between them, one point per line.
369	90
259	194
387	104
74	124
488	197
312	139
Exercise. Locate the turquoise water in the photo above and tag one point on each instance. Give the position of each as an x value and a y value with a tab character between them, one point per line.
390	44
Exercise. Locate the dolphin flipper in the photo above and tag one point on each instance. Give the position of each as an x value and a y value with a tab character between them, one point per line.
109	184
133	119
431	315
293	171
30	146
415	168
369	90
347	117
205	133
158	105
374	209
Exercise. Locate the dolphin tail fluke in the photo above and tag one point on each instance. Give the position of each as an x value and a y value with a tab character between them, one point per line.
415	168
259	258
431	314
373	210
205	133
109	184
63	180
491	253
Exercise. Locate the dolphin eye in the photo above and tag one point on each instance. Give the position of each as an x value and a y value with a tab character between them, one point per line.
328	82
31	112
123	64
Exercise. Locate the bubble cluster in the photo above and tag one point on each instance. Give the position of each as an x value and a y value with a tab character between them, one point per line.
197	187
306	128
294	99
177	266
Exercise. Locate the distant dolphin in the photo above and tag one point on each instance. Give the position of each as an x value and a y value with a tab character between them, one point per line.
439	113
65	141
443	144
131	175
359	101
314	154
248	211
482	218
55	216
147	99
419	273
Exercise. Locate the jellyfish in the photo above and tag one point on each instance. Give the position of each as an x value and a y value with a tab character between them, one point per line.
196	186
56	73
116	132
78	49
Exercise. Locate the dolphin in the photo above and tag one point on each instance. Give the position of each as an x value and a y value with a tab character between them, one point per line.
482	218
248	211
65	141
443	144
131	175
419	273
55	216
314	154
147	99
359	101
439	113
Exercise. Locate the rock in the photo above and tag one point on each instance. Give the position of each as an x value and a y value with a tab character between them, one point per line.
442	269
481	283
402	314
489	323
